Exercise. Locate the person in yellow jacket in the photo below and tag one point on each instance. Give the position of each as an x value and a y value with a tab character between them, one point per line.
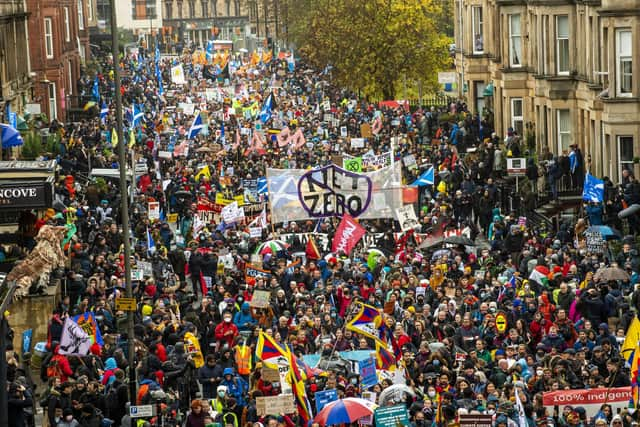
193	347
242	357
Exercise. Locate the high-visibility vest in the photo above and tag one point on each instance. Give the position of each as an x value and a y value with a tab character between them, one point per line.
243	359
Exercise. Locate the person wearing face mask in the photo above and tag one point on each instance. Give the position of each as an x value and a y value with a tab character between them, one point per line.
218	404
226	332
67	419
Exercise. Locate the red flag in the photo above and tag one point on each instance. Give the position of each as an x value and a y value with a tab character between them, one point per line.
347	235
312	249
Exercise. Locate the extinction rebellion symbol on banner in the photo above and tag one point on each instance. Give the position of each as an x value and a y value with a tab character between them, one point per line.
333	191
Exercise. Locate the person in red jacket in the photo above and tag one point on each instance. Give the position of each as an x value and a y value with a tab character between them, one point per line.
226	332
59	366
400	339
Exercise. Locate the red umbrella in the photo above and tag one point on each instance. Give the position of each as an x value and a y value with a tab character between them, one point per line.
345	411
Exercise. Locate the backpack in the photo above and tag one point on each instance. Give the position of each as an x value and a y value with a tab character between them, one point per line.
557	172
53	369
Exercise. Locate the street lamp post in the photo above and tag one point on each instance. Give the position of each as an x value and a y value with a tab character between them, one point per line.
124	214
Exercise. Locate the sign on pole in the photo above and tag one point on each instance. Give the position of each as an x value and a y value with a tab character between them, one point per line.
141	411
368	375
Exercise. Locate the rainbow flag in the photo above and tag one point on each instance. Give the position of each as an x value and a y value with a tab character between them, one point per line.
269	351
366	322
385	359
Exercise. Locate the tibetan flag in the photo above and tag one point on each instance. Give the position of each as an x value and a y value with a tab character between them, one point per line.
385	359
267	56
631	340
203	172
297	386
270	352
635	387
366	321
255	59
312	250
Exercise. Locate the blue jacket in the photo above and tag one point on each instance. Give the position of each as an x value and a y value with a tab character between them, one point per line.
243	319
236	387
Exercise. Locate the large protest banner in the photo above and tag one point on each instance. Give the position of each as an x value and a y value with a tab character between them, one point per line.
332	191
74	339
591	400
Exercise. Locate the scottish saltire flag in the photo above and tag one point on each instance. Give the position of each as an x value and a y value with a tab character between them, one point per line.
138	114
593	189
270	352
573	161
267	108
385	359
262	186
512	281
209	51
222	137
366	321
151	244
196	127
95	92
159	78
104	111
427	178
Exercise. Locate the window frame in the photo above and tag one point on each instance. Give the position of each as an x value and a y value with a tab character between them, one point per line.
564	42
80	15
53	101
70	76
560	132
512	42
619	61
89	10
48	37
475	31
621	162
517	119
67	25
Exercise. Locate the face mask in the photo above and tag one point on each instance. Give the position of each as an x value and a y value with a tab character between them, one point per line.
539	373
491	411
432	394
354	381
540	354
227	319
69	418
436	362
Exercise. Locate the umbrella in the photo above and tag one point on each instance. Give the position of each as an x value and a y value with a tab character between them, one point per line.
611	273
271	246
395	394
439	253
605	231
205	150
10	136
243	50
182	193
459	240
345	411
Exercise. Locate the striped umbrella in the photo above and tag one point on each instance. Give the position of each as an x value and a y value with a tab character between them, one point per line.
345	411
271	247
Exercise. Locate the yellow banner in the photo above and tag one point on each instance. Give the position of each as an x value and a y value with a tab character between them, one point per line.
220	200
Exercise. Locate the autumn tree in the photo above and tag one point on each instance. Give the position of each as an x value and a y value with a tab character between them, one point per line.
372	44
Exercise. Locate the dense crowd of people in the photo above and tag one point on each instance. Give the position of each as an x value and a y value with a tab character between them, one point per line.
196	339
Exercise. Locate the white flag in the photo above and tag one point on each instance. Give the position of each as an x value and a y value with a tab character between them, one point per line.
74	339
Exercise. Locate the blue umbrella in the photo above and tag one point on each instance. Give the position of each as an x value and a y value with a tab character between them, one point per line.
10	136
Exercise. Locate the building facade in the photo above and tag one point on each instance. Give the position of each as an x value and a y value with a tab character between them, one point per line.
54	49
559	72
15	78
197	21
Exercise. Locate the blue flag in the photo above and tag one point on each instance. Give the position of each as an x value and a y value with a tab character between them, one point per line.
137	115
151	245
95	92
209	51
426	178
573	161
262	186
104	111
222	138
195	128
593	189
265	113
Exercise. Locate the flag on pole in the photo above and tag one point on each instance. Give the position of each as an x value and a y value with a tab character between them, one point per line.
261	220
631	340
291	63
522	418
114	138
269	351
196	127
385	359
104	111
151	245
209	51
267	108
74	339
366	321
297	386
426	178
593	189
203	172
312	250
635	386
573	161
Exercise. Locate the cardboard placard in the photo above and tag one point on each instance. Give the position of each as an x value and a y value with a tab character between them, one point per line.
260	299
365	130
275	405
389	307
270	375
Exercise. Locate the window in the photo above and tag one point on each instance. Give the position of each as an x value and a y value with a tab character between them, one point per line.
53	109
168	7
48	37
70	76
625	146
480	88
517	116
624	64
564	130
478	41
515	41
143	9
205	8
192	8
80	15
67	25
90	10
562	44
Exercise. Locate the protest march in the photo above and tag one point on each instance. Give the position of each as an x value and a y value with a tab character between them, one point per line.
304	256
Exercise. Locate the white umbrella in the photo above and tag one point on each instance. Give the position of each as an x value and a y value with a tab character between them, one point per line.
396	393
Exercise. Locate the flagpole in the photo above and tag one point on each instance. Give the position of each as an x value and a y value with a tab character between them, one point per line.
124	214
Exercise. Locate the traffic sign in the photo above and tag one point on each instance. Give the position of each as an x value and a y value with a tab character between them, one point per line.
126	304
141	411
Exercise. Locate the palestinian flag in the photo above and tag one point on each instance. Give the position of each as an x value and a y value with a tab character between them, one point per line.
540	275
